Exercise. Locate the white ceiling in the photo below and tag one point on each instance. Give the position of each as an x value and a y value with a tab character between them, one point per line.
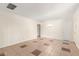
43	11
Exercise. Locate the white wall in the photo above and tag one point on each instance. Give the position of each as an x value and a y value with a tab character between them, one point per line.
61	29
15	29
52	29
68	29
76	28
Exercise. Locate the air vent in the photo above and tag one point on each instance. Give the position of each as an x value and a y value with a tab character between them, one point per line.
11	6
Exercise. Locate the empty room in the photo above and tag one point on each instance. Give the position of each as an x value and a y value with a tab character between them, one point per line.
39	29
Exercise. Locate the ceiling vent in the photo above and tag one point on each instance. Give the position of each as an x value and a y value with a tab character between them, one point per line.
11	6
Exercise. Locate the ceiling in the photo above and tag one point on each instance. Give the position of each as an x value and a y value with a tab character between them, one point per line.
43	11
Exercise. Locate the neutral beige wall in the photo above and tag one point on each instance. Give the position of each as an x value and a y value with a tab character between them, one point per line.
76	27
52	29
15	29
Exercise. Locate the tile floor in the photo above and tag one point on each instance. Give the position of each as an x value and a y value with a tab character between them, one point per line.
41	47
